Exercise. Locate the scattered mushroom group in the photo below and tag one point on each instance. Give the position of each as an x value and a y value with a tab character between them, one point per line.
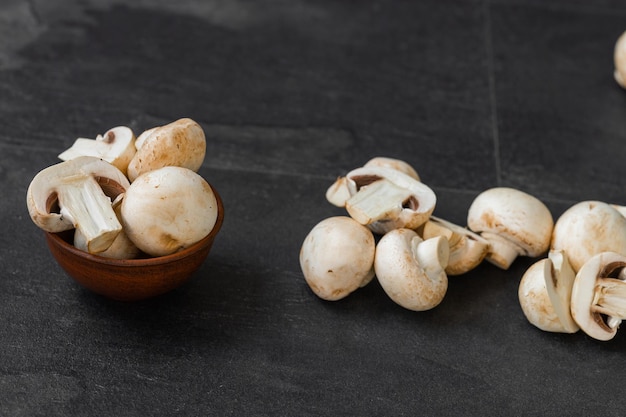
417	251
125	197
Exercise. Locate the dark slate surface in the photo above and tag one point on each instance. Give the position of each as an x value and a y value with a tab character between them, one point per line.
291	94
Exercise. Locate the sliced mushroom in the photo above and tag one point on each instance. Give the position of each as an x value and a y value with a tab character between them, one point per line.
588	228
515	224
337	257
384	199
598	303
339	192
121	248
412	270
467	249
82	203
181	143
116	146
545	292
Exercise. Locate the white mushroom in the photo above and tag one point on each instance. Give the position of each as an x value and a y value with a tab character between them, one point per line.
116	146
337	257
181	143
545	291
384	199
69	195
598	303
412	270
514	222
588	228
168	209
467	249
121	248
339	192
619	58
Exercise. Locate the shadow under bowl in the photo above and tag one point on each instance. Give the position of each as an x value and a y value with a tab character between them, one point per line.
132	279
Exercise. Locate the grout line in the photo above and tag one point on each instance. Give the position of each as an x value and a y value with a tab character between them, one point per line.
492	90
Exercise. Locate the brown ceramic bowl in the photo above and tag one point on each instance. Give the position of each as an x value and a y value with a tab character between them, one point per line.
131	279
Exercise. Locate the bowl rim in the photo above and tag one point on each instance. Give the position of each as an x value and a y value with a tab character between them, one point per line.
59	241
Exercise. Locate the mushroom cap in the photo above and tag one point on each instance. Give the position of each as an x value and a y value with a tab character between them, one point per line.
534	299
588	228
397	164
168	209
412	277
514	215
181	143
544	294
584	293
619	58
337	257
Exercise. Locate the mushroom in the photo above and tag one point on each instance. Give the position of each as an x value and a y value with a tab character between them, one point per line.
514	222
74	187
412	270
116	146
181	143
619	58
337	257
168	209
588	228
121	248
384	199
467	249
338	193
598	303
545	291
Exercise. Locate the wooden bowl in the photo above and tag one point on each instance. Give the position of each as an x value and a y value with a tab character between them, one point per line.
131	279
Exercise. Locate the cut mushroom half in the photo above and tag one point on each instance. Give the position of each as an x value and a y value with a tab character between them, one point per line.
70	195
339	192
515	224
598	302
545	292
467	249
116	146
411	270
384	199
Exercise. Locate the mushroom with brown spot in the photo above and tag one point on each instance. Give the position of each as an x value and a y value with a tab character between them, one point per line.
180	143
514	222
70	195
337	257
598	303
411	270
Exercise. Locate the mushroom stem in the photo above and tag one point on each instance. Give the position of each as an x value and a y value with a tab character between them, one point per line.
610	299
432	254
83	203
502	251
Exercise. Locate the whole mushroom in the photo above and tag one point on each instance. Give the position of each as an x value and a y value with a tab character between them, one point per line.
588	228
412	270
514	222
337	257
180	143
168	209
